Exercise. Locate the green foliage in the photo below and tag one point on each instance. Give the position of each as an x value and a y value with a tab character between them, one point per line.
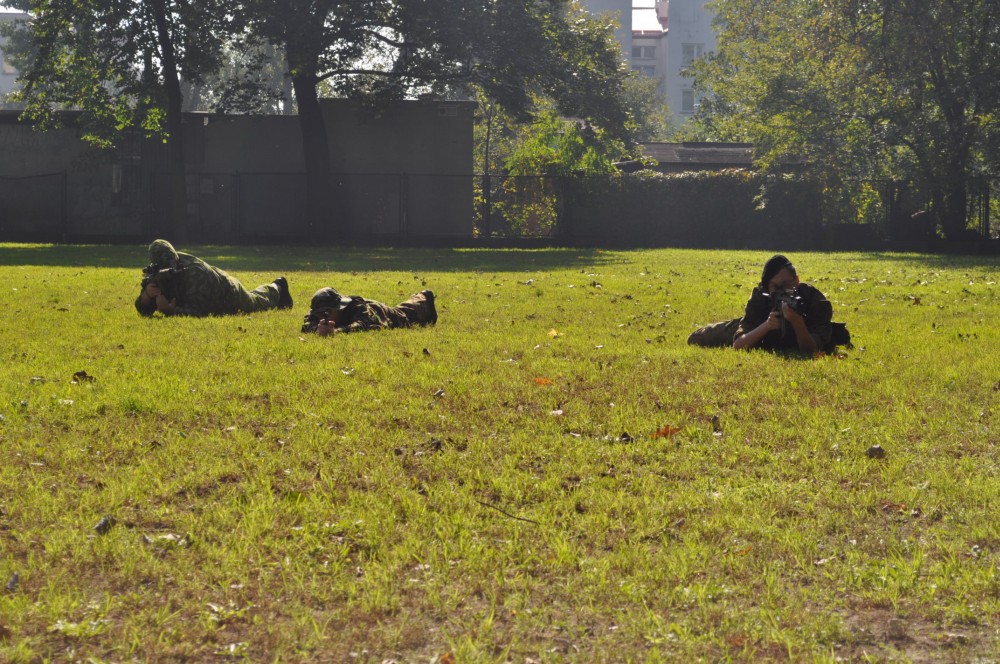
862	90
695	208
283	497
651	115
556	146
107	60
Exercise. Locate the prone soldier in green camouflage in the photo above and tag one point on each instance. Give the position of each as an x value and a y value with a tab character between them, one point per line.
332	313
179	284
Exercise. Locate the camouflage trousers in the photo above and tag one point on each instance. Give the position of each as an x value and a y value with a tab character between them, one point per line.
716	335
415	311
262	298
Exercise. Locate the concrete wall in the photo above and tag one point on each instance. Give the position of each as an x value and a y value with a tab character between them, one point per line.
406	171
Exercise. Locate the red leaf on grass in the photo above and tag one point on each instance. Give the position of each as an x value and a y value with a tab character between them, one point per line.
542	380
666	431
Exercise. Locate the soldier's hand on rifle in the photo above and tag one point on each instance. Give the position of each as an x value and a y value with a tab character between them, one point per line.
790	314
165	306
773	321
326	328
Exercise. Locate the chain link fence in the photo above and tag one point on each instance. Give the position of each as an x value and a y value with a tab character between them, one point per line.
127	203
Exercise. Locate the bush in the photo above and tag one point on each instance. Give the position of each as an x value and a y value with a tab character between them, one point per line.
700	209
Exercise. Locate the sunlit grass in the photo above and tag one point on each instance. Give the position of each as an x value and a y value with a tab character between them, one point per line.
495	487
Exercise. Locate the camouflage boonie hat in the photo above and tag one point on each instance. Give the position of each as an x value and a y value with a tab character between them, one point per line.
163	254
328	298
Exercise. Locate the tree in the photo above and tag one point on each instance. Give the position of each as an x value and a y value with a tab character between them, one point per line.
899	89
119	62
252	78
379	50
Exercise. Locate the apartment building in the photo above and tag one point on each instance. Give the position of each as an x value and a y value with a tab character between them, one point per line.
8	73
661	39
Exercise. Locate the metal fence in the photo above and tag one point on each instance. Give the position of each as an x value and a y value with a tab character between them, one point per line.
130	203
34	204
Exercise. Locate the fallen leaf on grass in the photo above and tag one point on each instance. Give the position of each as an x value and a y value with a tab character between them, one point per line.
737	641
169	539
666	431
541	380
556	413
745	550
82	377
446	658
889	506
104	525
555	333
875	452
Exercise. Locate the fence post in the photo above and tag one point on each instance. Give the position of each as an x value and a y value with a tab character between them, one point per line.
235	221
64	206
984	217
487	229
404	203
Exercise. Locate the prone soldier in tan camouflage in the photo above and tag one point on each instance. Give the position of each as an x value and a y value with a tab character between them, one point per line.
179	284
332	313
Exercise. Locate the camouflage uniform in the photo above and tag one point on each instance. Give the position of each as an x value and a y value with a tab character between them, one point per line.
359	314
203	290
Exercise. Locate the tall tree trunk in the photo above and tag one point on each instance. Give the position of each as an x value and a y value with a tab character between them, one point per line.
956	202
316	151
175	143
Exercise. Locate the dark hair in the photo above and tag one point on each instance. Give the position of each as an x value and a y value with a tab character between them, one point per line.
773	266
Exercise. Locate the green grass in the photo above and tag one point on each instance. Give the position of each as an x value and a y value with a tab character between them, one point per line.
469	489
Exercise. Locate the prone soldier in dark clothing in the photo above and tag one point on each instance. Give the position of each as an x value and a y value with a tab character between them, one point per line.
782	313
333	313
179	284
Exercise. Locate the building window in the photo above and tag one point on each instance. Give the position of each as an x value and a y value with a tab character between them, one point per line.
690	53
687	101
645	70
643	52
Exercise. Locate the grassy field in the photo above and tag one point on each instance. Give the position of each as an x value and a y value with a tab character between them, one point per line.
550	474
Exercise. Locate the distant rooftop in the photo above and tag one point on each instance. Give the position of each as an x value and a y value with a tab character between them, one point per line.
731	154
644	20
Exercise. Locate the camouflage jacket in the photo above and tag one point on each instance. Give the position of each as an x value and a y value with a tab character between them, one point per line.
362	315
199	288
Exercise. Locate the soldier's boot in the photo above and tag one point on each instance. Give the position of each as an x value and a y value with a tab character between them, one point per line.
284	295
429	296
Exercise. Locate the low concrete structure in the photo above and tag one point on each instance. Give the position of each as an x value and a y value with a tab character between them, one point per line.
406	171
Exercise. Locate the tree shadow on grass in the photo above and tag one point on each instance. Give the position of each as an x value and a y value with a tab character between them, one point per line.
315	259
280	259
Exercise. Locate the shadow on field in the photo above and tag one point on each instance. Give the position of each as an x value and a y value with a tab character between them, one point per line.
315	259
375	259
927	261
